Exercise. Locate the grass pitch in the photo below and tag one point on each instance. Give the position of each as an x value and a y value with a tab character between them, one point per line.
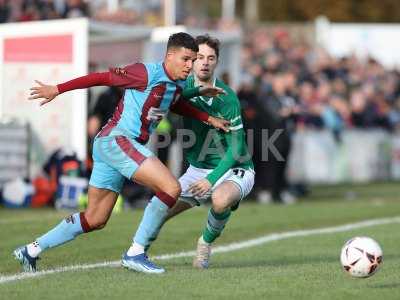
295	268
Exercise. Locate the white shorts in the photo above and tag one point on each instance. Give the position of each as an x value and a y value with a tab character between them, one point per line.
244	180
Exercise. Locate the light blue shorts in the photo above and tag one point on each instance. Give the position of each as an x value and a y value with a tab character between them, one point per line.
116	157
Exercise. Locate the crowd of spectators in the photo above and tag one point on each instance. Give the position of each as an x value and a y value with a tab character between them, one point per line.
289	84
128	12
33	10
309	88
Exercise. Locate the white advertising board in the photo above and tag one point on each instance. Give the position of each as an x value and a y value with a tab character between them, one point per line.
51	52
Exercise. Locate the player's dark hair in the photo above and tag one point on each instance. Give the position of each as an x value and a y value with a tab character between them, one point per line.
182	39
209	41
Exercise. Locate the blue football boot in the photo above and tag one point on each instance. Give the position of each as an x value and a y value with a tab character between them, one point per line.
27	262
141	263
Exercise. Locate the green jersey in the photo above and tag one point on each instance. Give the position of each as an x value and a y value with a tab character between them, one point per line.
214	149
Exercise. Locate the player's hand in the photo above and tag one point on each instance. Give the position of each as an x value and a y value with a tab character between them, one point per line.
219	123
210	91
200	187
43	91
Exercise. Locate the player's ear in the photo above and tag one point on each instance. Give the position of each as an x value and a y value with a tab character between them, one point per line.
170	53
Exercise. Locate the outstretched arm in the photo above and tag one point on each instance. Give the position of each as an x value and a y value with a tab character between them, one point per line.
208	91
49	92
133	76
183	108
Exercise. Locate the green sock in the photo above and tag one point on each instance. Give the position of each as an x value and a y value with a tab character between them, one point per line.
215	225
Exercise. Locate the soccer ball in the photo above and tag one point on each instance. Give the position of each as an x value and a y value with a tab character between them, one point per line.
361	257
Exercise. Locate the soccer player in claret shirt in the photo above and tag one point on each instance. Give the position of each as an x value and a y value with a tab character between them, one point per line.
220	164
119	151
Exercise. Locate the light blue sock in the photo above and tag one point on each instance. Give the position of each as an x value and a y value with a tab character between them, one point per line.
153	218
152	238
64	232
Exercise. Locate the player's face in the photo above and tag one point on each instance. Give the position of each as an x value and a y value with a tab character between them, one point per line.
205	63
181	61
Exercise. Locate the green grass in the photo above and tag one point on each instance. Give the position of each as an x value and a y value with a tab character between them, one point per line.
295	268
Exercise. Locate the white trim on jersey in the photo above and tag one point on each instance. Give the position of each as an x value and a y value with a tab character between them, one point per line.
236	127
236	118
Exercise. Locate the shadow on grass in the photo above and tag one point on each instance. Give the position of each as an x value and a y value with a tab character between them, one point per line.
277	261
267	262
392	285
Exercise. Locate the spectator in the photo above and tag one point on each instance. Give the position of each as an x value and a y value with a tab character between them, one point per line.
281	111
394	115
76	9
29	12
106	103
5	11
253	118
47	10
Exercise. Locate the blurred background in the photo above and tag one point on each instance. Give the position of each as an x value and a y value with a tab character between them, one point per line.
326	72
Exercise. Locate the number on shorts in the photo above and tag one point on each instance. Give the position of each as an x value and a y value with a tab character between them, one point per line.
239	172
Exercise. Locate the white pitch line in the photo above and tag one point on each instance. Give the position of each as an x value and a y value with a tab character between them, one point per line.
220	249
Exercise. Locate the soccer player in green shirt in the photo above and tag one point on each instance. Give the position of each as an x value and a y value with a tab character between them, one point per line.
220	165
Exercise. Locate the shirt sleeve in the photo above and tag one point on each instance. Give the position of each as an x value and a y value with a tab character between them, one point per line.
234	150
233	114
183	108
92	79
235	139
191	92
133	76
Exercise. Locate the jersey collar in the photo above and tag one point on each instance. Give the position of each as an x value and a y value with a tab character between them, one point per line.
196	82
211	99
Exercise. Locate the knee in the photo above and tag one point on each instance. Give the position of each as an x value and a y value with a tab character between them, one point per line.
169	193
220	202
173	189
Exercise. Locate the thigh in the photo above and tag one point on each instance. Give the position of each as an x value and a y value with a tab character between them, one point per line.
105	177
243	179
233	187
